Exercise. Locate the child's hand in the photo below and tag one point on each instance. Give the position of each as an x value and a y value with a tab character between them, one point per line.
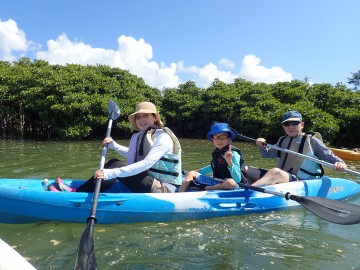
228	157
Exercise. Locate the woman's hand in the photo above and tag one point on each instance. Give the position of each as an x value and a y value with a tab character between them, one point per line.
99	174
107	140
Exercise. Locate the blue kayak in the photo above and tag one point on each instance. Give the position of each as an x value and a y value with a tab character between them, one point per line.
27	201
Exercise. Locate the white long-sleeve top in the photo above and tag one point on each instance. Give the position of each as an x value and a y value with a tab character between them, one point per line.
163	144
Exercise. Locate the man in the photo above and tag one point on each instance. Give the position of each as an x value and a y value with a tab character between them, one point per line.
291	167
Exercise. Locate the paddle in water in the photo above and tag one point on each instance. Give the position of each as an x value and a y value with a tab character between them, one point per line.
330	210
333	211
85	258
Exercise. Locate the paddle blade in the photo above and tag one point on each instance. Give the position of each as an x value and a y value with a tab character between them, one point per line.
333	211
85	259
114	111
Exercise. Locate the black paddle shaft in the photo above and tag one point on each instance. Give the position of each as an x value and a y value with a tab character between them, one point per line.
314	159
85	258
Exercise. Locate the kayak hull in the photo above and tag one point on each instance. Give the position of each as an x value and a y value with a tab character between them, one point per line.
346	154
26	201
11	259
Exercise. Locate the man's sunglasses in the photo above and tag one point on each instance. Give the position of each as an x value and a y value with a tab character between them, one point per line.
293	123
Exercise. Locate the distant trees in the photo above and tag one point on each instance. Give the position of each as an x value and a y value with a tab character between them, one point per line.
38	100
255	109
53	101
355	79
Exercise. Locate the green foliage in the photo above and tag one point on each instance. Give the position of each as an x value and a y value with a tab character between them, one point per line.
181	109
66	102
39	100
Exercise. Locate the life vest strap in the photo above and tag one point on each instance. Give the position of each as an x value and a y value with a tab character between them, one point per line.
170	160
164	172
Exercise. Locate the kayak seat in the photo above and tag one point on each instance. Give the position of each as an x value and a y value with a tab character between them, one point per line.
118	187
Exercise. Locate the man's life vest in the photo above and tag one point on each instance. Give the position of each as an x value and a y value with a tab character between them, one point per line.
168	168
219	164
303	168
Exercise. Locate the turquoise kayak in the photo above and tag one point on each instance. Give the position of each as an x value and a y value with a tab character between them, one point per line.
28	201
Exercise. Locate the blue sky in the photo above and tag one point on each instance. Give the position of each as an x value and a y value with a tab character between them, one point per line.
170	42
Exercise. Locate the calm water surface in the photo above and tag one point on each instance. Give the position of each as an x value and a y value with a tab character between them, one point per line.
283	240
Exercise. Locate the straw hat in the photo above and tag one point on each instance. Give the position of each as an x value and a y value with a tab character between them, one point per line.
145	107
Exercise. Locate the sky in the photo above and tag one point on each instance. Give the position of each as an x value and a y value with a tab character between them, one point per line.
169	42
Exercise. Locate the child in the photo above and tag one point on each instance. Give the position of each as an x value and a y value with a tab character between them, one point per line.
225	165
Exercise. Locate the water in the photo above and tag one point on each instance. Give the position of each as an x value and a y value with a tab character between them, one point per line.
293	239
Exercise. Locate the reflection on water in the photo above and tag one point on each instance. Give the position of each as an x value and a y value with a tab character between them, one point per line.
283	240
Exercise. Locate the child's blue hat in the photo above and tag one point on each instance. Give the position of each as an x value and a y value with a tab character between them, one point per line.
220	128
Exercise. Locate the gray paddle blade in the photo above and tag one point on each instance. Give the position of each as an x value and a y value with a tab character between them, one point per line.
334	211
114	111
85	258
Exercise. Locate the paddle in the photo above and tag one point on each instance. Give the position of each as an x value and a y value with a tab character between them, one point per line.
330	210
85	258
333	211
297	154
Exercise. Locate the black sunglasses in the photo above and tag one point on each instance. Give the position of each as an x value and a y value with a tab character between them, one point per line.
293	123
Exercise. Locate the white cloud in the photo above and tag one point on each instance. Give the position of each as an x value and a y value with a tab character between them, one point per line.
136	57
226	63
62	51
252	71
208	73
12	39
132	55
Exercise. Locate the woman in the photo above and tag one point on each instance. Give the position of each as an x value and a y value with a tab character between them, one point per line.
153	157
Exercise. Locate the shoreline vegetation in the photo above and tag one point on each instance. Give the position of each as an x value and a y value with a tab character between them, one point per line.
43	101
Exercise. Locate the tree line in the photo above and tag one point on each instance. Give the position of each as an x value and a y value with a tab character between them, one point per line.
43	101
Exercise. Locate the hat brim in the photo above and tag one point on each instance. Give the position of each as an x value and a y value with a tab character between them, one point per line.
132	118
292	119
210	133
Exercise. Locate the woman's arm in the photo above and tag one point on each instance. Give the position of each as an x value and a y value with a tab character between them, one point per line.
120	149
163	145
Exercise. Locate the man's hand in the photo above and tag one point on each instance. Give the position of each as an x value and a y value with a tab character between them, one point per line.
340	166
261	142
